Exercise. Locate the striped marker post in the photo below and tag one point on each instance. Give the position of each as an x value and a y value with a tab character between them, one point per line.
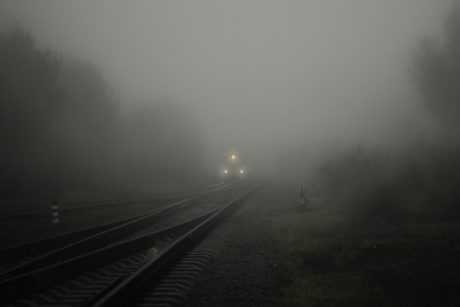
55	212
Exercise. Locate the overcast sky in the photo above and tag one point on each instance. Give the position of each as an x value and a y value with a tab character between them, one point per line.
257	74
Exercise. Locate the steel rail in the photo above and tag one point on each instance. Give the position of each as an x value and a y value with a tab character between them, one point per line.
51	242
40	278
41	211
21	253
128	290
104	237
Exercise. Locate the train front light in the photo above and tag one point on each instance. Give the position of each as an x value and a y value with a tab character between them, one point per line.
241	171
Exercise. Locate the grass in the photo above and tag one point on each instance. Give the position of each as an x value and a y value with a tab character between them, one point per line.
335	261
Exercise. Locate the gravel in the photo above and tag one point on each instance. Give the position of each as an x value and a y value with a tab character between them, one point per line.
248	271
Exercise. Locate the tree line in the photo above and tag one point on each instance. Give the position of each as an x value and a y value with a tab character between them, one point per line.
63	132
394	188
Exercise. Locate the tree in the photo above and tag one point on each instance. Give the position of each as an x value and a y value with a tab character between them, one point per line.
90	128
62	133
29	100
437	72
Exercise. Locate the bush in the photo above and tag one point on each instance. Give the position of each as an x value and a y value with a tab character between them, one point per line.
378	187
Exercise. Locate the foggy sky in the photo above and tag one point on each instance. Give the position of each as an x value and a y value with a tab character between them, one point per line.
258	75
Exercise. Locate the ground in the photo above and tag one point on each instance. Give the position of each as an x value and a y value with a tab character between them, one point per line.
249	271
322	256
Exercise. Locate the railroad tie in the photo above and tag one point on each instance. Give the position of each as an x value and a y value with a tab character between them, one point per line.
173	289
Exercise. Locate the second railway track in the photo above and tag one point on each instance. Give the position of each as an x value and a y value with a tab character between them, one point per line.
33	255
89	278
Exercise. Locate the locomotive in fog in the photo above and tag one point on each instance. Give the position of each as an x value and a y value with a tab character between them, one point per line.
235	167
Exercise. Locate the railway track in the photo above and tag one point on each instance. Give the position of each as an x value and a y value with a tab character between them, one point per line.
71	206
28	255
105	271
19	254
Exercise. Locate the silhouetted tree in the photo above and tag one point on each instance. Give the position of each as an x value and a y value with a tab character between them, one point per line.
89	126
437	72
62	133
29	100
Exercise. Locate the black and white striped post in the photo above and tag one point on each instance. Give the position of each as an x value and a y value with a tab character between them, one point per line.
55	212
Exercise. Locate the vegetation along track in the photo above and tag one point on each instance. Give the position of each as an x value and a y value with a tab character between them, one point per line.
88	278
30	256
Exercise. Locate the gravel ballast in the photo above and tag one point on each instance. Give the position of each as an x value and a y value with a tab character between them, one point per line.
247	271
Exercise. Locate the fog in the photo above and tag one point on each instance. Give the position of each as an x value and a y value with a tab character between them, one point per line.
229	153
271	79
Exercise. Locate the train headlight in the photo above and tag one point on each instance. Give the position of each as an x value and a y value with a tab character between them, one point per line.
233	157
225	171
241	171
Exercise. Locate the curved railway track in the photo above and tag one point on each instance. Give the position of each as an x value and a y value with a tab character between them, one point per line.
43	211
17	254
33	255
87	272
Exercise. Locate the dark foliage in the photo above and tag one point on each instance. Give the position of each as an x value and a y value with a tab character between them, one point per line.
436	72
30	101
394	189
62	133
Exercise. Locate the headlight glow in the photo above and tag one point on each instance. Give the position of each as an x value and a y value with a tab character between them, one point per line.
241	171
226	171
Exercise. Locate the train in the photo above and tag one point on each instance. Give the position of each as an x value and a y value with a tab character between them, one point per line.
235	167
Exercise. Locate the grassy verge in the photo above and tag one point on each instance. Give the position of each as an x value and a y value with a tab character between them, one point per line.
335	261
